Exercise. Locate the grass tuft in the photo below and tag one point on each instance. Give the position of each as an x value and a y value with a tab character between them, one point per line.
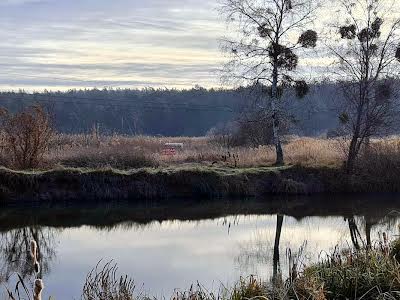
363	274
104	283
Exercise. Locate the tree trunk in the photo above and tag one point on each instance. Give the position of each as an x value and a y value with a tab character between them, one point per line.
351	157
275	118
355	145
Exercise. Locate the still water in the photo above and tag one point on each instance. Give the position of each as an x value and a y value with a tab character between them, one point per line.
165	246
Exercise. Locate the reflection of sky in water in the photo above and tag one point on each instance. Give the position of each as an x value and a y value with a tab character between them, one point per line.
176	254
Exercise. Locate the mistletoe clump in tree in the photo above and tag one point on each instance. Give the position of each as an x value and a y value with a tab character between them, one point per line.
368	53
265	50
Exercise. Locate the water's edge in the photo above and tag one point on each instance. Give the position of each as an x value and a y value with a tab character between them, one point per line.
183	183
373	207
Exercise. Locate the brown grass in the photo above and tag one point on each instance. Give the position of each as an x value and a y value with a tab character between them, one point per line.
25	136
127	152
104	283
371	273
382	155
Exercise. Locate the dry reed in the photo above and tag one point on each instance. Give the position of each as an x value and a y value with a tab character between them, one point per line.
140	151
128	152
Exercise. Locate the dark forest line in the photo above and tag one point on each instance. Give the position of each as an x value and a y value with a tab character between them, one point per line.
170	112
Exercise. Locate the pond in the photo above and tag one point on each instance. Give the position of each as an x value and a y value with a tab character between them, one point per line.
168	245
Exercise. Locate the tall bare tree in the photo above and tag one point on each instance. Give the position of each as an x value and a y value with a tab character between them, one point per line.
367	51
263	50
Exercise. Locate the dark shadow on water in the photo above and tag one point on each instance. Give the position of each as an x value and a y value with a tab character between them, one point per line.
373	208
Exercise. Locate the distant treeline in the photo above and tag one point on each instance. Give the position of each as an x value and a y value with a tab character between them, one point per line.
168	112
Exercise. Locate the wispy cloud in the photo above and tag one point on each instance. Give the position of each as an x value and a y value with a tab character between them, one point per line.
86	43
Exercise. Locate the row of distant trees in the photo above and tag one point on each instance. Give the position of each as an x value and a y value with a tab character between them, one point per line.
167	112
362	50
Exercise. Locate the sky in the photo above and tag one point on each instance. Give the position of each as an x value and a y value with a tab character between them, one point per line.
63	44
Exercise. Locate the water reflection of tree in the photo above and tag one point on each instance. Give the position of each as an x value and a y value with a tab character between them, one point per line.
276	258
263	251
355	234
368	223
15	251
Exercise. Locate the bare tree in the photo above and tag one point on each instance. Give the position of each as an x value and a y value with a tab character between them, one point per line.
368	48
27	135
269	32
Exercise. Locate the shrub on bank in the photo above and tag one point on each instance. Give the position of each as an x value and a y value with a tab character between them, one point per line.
112	156
382	159
25	137
367	274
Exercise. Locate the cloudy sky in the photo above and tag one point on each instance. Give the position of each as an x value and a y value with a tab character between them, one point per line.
61	44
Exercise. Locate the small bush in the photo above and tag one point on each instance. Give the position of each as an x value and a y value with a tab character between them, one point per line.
248	289
253	131
26	136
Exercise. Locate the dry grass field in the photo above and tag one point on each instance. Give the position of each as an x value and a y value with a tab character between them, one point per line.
127	152
130	152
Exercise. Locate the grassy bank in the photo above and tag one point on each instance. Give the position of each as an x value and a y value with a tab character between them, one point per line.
186	182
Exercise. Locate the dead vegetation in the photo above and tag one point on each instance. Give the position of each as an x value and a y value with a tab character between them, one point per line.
126	152
28	141
95	166
103	283
26	136
109	166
